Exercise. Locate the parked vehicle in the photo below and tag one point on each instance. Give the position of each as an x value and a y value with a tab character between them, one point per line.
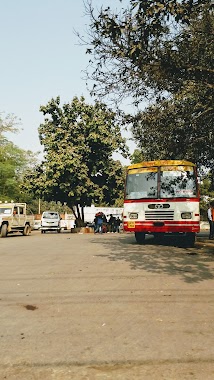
162	197
50	221
14	218
37	225
67	222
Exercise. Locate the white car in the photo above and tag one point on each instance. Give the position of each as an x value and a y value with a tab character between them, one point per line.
50	221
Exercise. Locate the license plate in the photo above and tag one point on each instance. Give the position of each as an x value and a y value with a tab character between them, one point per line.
131	224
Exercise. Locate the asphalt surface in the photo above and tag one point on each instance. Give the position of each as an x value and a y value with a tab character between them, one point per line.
203	238
97	307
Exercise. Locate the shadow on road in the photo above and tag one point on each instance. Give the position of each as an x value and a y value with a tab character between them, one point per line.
192	265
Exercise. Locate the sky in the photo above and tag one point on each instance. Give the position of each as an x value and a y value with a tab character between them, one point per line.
41	58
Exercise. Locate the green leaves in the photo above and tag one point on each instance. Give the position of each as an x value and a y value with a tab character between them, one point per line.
144	51
14	162
180	128
79	140
164	54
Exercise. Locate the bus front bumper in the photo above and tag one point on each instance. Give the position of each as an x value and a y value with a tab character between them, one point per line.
162	226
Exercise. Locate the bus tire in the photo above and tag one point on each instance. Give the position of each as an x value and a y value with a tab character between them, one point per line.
190	240
4	231
140	237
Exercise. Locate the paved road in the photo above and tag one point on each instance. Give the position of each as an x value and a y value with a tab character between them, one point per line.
101	307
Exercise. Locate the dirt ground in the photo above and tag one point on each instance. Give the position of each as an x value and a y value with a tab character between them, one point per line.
97	307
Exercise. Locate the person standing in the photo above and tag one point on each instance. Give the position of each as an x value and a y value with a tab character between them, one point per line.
111	222
118	222
210	216
98	220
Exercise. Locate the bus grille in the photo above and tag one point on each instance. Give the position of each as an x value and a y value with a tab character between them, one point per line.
159	215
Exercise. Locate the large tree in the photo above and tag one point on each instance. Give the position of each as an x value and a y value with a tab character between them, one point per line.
150	47
14	161
78	169
159	50
173	129
182	126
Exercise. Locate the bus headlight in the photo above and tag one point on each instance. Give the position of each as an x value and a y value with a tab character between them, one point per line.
133	215
186	215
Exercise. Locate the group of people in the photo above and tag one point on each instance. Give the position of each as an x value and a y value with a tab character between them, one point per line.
101	224
210	216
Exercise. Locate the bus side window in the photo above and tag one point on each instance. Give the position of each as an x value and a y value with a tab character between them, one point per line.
21	211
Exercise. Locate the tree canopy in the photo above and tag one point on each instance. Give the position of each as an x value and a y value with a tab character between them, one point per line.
161	51
13	161
78	169
173	129
149	47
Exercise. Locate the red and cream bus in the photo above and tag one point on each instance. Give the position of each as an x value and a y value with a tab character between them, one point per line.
162	197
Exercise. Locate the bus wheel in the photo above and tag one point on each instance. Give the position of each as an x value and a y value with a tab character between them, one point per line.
4	230
140	237
190	240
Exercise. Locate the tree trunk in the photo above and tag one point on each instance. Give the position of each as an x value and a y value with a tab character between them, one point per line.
73	210
80	218
82	214
78	212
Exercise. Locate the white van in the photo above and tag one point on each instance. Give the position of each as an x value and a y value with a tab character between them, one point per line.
50	221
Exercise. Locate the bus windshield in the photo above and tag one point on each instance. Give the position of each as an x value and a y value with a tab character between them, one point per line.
162	182
142	183
177	181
